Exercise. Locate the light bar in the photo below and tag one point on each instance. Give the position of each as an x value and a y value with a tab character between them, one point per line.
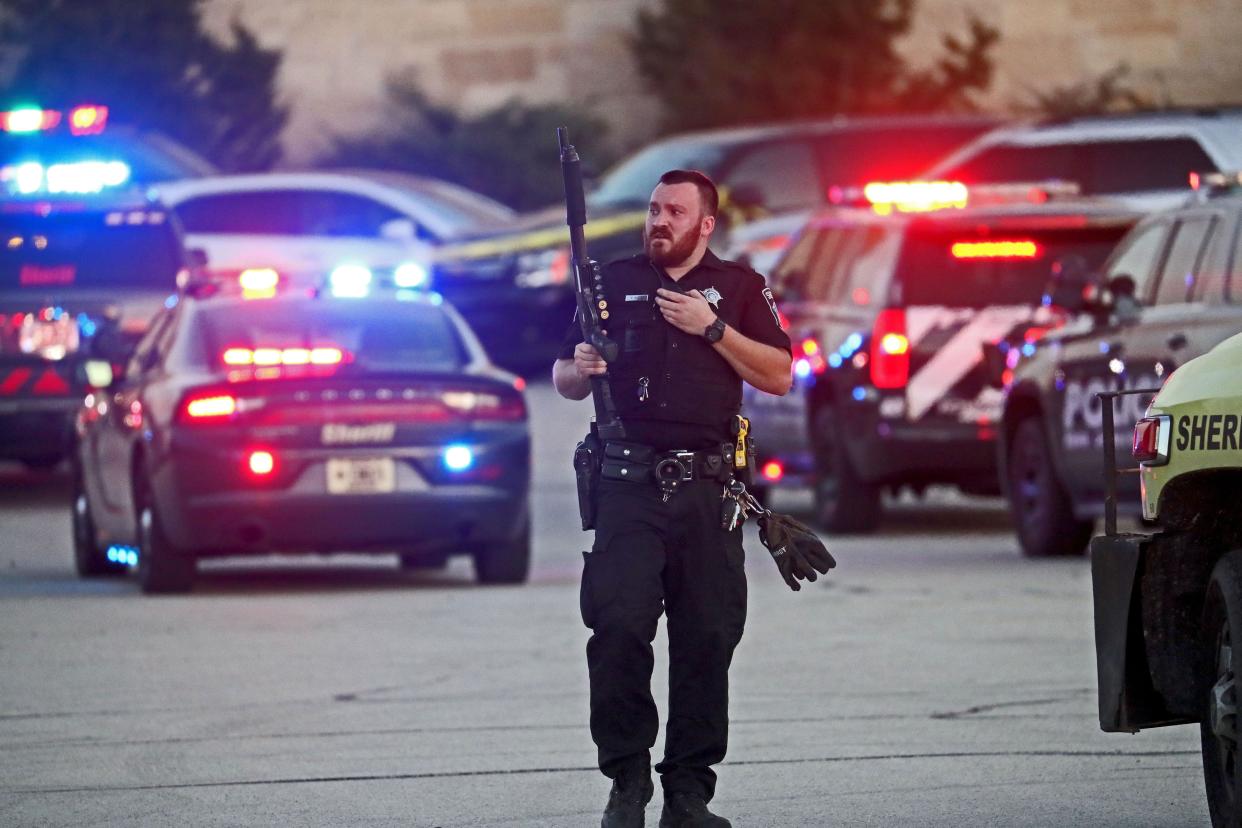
350	281
239	357
915	196
410	275
258	282
29	119
999	249
75	178
88	119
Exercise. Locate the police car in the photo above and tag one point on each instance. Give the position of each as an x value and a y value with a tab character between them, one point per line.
86	259
1168	293
1168	605
889	307
515	286
260	416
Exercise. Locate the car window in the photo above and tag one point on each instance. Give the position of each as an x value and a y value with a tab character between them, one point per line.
141	358
1137	256
1233	289
131	249
1178	273
893	153
630	183
783	175
789	274
1210	278
848	266
975	267
395	336
286	213
1097	166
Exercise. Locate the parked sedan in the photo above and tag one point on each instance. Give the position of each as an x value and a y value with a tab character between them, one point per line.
341	420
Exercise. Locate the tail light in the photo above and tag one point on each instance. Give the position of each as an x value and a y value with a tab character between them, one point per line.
1151	440
890	350
208	407
260	463
773	471
996	249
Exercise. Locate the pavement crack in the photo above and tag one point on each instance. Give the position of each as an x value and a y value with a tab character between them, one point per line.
988	708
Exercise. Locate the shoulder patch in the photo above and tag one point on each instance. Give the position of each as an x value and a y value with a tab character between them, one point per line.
767	294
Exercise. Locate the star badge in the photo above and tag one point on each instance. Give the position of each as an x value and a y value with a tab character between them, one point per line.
712	296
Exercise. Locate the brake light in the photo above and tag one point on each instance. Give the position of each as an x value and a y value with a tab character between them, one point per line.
260	463
915	196
999	249
1151	440
265	357
890	350
258	283
210	407
773	470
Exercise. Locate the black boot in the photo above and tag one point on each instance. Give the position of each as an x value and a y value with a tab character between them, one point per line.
687	810
631	791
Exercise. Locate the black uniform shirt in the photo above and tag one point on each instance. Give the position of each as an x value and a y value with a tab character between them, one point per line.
672	389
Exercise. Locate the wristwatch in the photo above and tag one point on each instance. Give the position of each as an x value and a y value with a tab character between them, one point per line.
715	331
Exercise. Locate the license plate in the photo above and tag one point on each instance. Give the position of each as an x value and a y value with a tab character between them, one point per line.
370	475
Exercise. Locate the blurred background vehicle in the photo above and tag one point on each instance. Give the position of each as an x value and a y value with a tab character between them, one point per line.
1167	294
255	419
888	312
515	288
86	259
1145	158
306	224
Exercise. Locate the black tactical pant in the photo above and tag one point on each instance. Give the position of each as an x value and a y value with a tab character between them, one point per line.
651	557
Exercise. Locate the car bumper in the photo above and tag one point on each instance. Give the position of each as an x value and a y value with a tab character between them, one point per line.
210	507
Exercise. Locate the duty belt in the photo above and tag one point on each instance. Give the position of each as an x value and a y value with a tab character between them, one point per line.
642	464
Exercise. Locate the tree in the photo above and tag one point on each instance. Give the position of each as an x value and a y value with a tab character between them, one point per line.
724	62
1109	92
508	153
153	65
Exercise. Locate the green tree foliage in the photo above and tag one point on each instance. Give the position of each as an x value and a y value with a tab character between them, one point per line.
508	153
153	65
724	62
1108	92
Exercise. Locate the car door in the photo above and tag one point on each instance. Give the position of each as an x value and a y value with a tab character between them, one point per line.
121	425
1212	313
1093	361
299	232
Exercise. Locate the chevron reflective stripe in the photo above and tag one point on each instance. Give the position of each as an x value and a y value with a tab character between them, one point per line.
15	380
957	357
50	383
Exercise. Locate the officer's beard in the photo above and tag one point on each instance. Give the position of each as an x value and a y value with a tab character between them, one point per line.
672	255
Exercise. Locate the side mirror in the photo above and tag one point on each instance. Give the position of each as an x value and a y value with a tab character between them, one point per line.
1070	283
398	229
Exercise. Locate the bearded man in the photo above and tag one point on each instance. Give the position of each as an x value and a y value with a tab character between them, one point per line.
691	328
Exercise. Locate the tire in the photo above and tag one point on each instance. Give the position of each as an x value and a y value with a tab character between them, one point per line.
88	558
1218	729
162	567
844	502
505	563
1042	512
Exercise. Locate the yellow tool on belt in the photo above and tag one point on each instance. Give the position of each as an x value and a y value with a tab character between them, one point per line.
742	426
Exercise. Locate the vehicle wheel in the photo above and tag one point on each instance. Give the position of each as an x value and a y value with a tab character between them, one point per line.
89	559
1218	729
162	567
504	563
1042	512
844	502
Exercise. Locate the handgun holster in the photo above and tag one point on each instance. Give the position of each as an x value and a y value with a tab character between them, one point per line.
587	459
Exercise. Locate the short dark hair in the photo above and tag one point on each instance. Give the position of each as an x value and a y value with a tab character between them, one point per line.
708	195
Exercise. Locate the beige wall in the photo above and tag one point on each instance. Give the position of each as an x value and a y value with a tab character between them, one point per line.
478	53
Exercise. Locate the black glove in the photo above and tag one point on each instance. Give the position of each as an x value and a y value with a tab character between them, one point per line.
794	547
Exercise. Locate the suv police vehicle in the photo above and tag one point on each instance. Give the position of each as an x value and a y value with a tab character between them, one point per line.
85	261
888	308
260	416
1145	158
1168	293
515	286
1168	605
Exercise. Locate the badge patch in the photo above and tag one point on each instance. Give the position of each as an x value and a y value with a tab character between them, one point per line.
767	294
636	297
712	296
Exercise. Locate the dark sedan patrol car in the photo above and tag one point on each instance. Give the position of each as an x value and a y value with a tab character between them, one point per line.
322	421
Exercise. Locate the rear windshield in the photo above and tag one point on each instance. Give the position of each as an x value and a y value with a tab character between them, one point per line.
397	336
962	267
629	184
1097	167
135	249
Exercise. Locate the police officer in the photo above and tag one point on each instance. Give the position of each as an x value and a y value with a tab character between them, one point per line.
691	328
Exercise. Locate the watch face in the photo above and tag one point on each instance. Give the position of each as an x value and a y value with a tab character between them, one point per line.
715	331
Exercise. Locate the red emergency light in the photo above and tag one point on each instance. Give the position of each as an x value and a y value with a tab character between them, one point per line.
237	357
1151	440
29	119
88	119
997	249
